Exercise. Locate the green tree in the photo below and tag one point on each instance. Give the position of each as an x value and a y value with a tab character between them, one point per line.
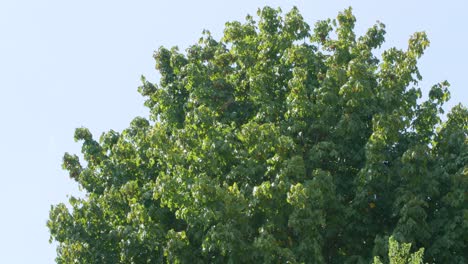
276	144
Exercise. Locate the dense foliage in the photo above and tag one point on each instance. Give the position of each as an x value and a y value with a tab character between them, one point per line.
276	144
400	254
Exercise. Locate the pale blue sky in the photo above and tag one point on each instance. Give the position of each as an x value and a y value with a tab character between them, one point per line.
65	64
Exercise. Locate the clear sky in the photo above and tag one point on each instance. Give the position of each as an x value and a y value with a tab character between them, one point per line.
66	64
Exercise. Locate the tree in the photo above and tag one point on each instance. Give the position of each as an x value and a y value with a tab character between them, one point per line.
276	144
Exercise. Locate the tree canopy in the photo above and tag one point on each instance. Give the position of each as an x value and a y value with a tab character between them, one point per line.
278	143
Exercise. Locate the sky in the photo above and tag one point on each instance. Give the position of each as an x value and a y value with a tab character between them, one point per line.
67	64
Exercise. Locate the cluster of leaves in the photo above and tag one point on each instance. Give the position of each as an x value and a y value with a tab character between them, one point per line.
276	144
400	254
